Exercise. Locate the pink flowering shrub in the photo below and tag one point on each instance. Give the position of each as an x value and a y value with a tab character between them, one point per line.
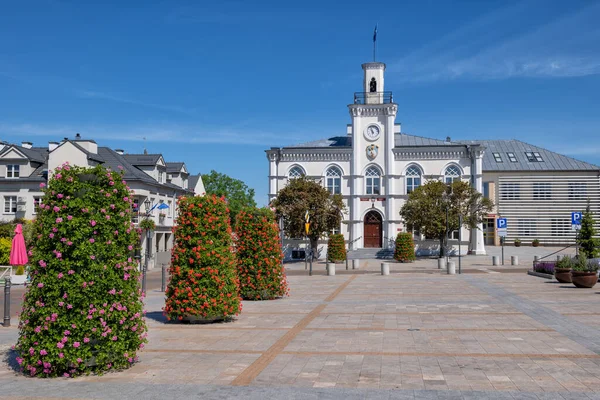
82	312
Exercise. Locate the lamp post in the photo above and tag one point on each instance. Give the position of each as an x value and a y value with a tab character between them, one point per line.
147	204
446	198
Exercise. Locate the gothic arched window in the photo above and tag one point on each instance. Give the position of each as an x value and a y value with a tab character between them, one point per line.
413	178
333	180
452	174
296	172
373	180
373	85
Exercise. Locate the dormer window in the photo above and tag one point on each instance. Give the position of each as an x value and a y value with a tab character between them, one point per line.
533	156
160	176
12	171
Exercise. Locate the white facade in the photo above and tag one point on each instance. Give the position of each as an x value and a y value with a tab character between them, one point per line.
379	165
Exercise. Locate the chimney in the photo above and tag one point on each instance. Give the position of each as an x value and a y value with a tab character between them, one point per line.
52	146
27	145
78	136
448	139
120	151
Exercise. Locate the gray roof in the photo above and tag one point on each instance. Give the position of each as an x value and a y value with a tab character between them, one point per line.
337	141
37	154
142	159
192	181
114	160
551	161
401	140
406	140
174	166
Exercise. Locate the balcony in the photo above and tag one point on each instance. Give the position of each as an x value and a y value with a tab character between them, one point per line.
373	98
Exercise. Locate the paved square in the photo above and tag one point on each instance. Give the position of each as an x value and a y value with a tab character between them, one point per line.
407	335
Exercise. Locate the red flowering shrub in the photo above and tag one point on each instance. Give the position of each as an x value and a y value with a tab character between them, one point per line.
82	312
259	255
204	282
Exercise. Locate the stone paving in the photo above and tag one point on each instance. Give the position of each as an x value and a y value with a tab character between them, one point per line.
361	336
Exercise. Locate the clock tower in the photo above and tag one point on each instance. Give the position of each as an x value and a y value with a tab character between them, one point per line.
373	210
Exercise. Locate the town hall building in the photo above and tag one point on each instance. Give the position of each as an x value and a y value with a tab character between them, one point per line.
375	166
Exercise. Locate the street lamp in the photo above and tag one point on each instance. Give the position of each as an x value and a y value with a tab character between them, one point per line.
147	205
446	198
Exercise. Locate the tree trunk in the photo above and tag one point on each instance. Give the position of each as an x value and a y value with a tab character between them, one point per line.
314	244
442	249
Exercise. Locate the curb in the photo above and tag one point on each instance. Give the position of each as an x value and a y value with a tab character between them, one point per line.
540	275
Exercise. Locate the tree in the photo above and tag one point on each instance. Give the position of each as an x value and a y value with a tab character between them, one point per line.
587	242
83	311
302	195
235	191
259	257
426	207
204	284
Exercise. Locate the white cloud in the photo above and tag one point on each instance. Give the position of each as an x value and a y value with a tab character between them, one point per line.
91	94
495	46
156	134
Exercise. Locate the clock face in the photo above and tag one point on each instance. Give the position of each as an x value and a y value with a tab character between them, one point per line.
372	132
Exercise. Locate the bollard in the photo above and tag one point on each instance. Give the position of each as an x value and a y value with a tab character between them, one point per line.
7	301
451	267
385	268
495	260
163	285
346	263
558	258
330	269
514	260
441	263
536	258
355	264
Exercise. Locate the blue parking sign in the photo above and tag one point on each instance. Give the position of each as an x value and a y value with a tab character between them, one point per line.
576	218
501	223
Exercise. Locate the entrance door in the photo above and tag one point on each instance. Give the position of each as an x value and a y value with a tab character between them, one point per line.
372	235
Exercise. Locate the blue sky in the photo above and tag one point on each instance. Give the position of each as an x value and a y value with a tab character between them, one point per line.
214	84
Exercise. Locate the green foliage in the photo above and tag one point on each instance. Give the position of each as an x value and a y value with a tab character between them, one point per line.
259	257
204	281
565	262
405	247
336	248
535	242
588	243
82	312
20	270
426	206
302	195
5	245
237	194
581	263
7	230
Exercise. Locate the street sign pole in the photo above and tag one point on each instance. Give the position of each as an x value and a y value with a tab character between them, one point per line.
576	217
502	240
459	240
501	227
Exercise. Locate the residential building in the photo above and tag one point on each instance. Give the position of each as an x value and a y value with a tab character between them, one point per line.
24	167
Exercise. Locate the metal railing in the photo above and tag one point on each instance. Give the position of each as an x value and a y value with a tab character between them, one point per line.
373	98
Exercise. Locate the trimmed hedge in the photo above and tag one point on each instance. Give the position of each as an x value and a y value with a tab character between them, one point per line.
82	312
259	257
204	282
405	247
336	248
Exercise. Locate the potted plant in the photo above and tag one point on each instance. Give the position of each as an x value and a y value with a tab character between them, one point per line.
147	225
405	247
562	269
517	242
336	248
585	272
162	216
535	243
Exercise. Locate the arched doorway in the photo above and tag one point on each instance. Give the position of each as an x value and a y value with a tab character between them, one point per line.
372	235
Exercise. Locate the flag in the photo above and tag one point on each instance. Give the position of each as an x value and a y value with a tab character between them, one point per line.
162	206
375	34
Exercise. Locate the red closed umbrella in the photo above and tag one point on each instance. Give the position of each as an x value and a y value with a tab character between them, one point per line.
18	252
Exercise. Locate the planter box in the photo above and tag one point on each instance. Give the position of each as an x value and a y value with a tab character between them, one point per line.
18	279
